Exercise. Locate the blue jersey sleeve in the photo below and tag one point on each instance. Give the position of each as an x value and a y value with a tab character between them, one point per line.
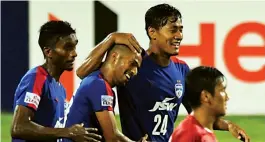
186	70
30	89
100	95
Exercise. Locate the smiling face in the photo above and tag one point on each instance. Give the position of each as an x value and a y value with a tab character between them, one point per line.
163	24
169	37
121	64
127	67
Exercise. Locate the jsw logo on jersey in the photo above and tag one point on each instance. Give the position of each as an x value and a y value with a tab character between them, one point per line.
164	105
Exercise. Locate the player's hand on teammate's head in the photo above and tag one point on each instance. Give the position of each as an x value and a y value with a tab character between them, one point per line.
78	133
238	132
127	39
144	138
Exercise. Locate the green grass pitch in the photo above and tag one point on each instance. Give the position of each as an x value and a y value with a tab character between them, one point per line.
254	126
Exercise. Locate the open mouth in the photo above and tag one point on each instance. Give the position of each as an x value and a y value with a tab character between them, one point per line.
175	44
71	62
127	76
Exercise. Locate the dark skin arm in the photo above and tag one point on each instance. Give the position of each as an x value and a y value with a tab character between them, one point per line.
95	57
109	127
24	128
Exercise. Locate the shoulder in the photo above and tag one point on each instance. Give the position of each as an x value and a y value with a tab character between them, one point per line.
187	127
176	60
92	82
181	64
37	74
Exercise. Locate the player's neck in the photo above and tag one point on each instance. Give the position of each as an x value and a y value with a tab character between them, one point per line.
107	74
53	71
157	56
204	117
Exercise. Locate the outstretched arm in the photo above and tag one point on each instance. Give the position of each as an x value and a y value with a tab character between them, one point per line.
95	57
236	131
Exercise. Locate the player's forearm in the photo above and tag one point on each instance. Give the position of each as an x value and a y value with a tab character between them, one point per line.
116	137
221	124
95	57
122	138
33	131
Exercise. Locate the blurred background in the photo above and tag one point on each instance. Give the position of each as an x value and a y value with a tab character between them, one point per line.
229	35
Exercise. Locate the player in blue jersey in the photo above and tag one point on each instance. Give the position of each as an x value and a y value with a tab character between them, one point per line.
94	101
149	103
39	97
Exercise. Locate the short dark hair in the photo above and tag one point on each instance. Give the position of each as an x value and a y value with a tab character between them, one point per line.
51	31
157	16
199	79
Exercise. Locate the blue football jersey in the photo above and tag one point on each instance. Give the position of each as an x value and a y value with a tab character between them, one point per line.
40	92
93	95
149	103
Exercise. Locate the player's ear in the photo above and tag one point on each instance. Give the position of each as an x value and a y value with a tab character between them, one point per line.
205	96
114	56
152	33
47	52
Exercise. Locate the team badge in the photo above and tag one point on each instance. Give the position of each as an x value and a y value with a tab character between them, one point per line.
178	89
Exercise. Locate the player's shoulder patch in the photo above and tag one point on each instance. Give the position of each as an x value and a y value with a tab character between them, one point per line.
32	98
37	74
177	61
106	100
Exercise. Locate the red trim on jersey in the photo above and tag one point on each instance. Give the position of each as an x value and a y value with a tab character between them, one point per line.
32	106
176	60
109	91
41	76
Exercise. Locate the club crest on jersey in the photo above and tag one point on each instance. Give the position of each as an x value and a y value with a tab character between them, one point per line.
178	89
106	100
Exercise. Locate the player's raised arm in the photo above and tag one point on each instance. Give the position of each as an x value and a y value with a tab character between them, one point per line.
94	59
24	128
